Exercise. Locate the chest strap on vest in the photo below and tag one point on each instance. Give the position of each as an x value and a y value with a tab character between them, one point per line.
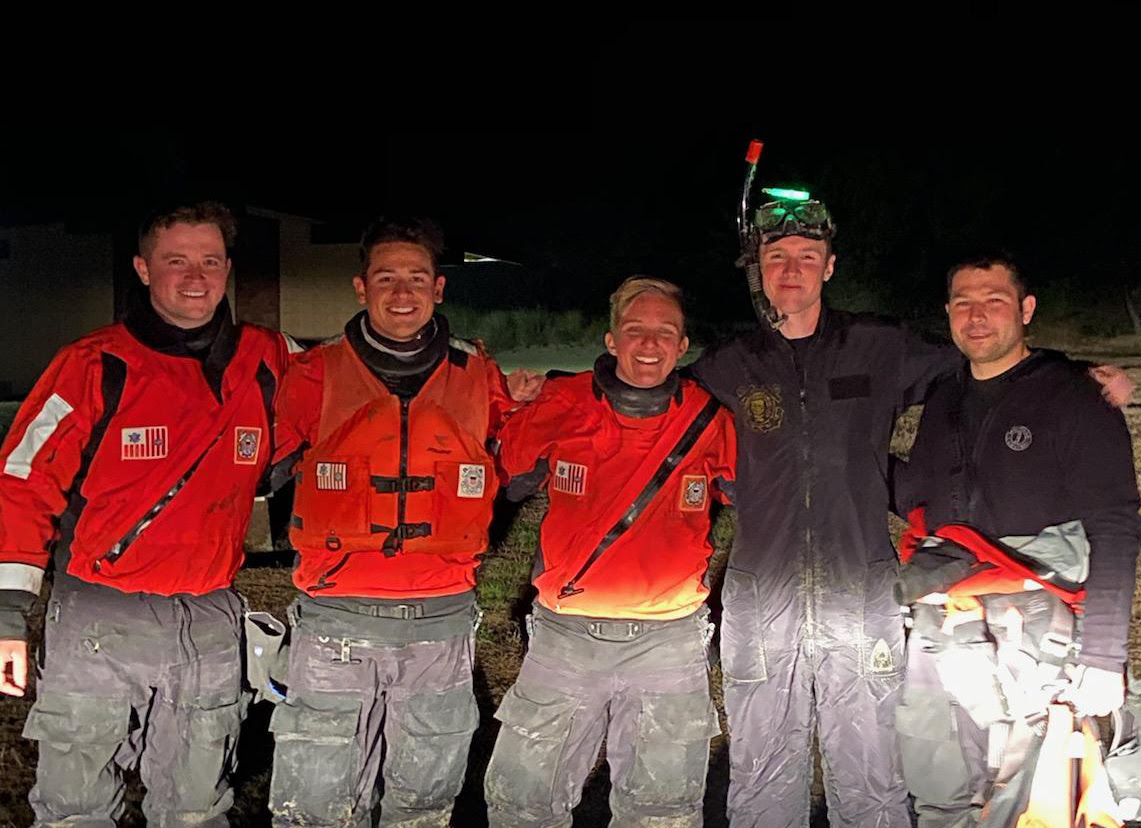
403	532
392	485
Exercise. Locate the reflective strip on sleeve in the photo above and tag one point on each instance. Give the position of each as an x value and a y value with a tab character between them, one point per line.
39	431
21	576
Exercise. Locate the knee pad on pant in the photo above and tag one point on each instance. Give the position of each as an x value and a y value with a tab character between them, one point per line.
428	753
670	757
79	737
316	760
526	774
934	767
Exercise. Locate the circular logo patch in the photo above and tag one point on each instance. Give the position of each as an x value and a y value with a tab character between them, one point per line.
761	407
1019	438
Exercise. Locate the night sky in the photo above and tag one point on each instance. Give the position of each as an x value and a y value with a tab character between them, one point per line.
590	205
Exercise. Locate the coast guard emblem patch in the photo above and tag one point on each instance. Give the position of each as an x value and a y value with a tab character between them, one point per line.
471	480
247	441
694	493
761	407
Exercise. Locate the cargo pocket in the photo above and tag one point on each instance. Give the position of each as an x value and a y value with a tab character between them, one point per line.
672	753
65	719
529	754
429	754
934	767
211	743
316	759
743	656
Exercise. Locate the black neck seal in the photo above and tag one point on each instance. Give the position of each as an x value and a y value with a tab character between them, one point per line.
212	344
628	400
402	368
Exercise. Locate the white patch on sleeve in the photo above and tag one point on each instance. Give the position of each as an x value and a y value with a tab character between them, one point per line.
39	431
21	576
292	345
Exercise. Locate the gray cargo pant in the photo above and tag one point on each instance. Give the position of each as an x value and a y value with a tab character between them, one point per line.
644	686
372	683
829	660
944	751
134	679
944	748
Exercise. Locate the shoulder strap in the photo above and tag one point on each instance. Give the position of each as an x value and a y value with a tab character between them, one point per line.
647	495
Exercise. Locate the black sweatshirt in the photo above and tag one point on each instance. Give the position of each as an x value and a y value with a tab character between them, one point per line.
1047	449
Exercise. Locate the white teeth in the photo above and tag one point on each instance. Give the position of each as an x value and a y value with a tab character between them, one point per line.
648	360
401	310
193	294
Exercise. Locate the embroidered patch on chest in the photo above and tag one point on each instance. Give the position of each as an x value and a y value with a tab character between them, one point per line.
144	443
761	407
332	476
247	441
694	493
570	478
881	660
472	480
1019	438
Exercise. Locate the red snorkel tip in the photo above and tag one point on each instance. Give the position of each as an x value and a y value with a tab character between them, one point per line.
754	153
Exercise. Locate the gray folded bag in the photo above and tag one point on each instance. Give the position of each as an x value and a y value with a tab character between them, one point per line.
267	656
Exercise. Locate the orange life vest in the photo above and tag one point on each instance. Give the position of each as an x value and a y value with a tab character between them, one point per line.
391	478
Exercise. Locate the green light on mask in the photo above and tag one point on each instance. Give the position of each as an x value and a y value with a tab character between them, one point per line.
782	194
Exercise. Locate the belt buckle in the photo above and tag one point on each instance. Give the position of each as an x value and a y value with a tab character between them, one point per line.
615	630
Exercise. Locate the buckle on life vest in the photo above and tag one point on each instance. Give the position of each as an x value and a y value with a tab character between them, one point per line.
402	533
333	543
393	485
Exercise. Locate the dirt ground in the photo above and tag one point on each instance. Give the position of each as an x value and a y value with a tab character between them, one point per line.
505	595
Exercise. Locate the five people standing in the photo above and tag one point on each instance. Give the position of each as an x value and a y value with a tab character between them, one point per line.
391	431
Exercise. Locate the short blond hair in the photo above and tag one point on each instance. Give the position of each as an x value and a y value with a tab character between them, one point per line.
634	287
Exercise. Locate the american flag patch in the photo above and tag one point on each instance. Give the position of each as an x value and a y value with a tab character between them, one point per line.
144	443
569	478
333	476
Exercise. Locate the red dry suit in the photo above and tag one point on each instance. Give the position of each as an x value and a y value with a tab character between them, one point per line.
594	463
106	434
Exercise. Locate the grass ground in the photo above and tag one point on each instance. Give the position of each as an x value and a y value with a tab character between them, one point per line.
505	594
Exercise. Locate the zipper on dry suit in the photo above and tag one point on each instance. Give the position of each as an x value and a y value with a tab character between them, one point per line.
809	572
116	551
